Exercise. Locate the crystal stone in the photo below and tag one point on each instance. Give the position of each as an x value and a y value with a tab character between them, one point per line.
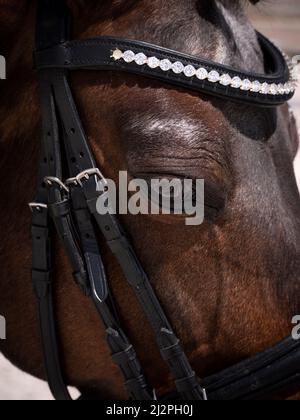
225	80
140	59
236	82
202	74
177	67
153	62
128	56
213	76
165	65
273	89
265	88
189	71
246	85
281	89
287	88
117	55
256	86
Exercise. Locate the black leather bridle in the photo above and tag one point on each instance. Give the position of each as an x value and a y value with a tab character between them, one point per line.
70	206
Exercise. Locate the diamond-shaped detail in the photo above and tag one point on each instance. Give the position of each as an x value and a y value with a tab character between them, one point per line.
256	86
153	62
287	88
117	55
177	67
225	80
281	89
265	88
189	71
273	89
128	56
236	82
202	73
213	76
140	59
246	85
165	65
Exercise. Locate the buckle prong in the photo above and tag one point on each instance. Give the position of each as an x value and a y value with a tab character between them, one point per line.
51	180
86	175
37	206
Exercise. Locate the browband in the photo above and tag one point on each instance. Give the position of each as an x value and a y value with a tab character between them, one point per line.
183	70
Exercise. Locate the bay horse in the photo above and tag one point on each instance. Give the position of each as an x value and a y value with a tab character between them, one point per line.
229	286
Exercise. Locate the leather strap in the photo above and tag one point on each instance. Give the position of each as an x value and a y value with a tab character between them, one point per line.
268	374
42	264
96	54
91	279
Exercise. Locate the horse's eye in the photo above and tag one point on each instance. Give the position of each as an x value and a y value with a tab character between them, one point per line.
177	194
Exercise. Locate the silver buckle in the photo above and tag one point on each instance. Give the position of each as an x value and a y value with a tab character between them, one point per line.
85	175
50	180
37	206
205	398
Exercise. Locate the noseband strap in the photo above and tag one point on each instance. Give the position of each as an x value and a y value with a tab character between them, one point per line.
69	207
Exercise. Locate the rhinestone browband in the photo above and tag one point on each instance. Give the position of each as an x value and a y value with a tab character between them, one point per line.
212	76
272	88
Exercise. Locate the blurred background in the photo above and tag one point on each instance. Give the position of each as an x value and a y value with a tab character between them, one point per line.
279	20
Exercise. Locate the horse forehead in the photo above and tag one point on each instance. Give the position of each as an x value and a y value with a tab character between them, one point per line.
176	123
217	30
